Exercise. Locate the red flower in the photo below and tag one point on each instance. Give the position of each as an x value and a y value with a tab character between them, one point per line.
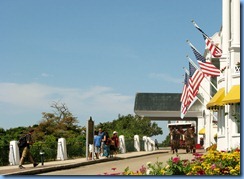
176	160
237	150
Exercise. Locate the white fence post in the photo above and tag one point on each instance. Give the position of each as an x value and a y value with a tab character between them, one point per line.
122	144
144	138
137	143
14	157
149	144
62	150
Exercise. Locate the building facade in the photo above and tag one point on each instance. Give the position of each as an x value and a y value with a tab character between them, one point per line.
225	103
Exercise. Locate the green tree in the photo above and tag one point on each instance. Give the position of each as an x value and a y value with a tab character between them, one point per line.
131	125
60	123
166	142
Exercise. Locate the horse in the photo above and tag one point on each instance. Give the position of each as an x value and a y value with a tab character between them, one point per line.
175	140
190	141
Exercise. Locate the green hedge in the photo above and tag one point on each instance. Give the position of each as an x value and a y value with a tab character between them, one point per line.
75	149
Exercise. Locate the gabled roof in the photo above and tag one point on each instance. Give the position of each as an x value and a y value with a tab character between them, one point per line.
163	106
157	101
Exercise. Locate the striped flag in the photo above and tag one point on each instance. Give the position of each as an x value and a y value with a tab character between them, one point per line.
214	49
184	97
184	94
183	111
207	67
196	77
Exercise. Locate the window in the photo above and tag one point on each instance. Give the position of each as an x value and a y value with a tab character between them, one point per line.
236	115
221	120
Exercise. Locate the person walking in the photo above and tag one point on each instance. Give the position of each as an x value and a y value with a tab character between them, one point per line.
115	143
156	143
101	134
97	143
106	145
26	150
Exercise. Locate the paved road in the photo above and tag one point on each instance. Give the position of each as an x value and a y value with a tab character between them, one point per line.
118	166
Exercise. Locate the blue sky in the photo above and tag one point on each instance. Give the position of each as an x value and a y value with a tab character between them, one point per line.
95	55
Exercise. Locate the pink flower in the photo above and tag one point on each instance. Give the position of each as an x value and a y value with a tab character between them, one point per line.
176	160
213	166
143	169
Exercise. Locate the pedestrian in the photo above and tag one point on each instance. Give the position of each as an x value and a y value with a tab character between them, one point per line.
156	143
114	146
95	147
97	143
101	134
106	145
26	150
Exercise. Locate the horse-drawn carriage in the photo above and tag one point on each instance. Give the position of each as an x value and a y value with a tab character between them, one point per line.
182	136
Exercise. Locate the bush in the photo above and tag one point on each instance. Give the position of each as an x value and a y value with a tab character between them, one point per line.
212	163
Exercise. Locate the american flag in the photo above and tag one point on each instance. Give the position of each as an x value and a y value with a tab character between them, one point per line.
183	111
196	77
214	49
207	67
184	96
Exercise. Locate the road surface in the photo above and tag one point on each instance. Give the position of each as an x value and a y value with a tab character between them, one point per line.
118	166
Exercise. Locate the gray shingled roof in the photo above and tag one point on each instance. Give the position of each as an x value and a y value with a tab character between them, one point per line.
161	102
157	101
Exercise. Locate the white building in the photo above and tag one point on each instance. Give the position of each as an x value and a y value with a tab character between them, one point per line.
226	102
217	112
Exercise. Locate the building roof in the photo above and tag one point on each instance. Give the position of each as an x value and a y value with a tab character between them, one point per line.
157	101
163	106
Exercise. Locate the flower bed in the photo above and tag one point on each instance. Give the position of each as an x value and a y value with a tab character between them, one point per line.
212	163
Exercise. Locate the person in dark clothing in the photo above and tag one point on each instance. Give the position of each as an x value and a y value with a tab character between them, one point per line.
156	143
106	148
26	151
114	146
101	134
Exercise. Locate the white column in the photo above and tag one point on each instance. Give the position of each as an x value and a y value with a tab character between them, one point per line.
144	138
149	144
226	26
137	143
225	49
14	156
62	150
122	144
236	23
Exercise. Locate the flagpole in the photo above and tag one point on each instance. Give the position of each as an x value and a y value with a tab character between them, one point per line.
192	46
195	24
204	106
190	60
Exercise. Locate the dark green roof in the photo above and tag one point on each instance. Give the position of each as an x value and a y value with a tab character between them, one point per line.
162	102
157	101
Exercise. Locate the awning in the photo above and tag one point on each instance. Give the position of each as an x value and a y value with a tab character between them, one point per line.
202	131
233	96
217	99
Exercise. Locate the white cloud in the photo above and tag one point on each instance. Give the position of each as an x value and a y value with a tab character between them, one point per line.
166	77
99	101
45	75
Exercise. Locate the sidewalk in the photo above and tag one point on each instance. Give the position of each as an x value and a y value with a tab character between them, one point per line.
72	163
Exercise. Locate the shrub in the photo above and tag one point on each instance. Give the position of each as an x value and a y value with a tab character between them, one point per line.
212	163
